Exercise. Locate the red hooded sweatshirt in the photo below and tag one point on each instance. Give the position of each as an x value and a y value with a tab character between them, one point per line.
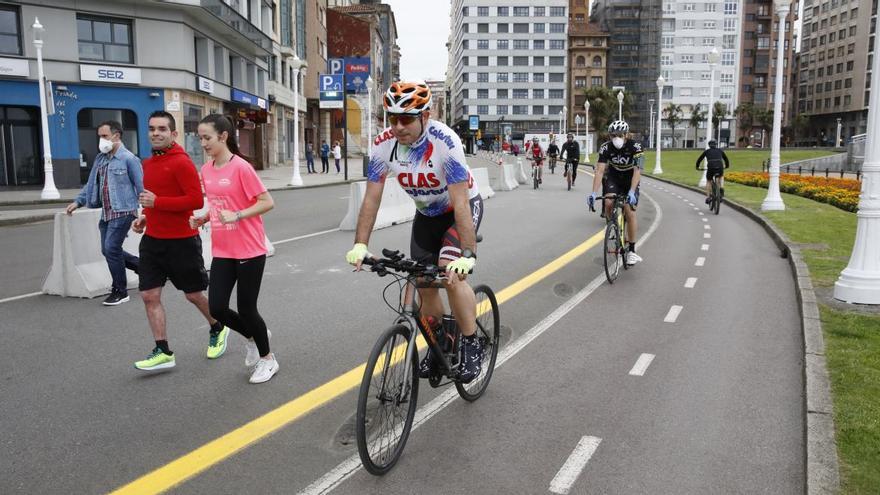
171	175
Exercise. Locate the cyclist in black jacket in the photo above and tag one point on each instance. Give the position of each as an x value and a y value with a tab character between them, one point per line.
716	162
552	154
572	151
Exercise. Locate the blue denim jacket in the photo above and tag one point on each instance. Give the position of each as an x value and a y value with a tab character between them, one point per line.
126	181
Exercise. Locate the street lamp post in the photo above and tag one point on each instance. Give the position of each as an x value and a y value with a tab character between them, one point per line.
859	282
837	141
588	142
651	125
620	105
296	65
49	189
773	201
577	125
660	83
369	115
713	59
559	129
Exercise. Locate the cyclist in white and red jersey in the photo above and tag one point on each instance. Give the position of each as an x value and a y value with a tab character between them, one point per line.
427	160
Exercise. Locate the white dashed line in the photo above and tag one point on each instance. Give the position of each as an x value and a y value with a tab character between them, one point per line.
641	365
672	315
707	235
700	261
701	214
697	209
704	219
573	466
690	283
707	226
704	247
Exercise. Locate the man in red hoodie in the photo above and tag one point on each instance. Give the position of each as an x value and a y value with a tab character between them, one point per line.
170	248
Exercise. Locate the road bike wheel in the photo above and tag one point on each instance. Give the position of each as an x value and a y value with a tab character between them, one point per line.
387	400
568	176
612	251
489	332
716	193
535	177
623	240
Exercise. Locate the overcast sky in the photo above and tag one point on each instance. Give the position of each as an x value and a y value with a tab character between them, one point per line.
422	32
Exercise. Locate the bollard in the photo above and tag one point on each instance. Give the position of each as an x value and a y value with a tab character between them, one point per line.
826	172
799	170
841	173
813	171
859	175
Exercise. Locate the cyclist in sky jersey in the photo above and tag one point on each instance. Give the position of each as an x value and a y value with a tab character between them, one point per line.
427	159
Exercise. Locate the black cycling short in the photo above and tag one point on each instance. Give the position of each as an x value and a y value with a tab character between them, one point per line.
436	238
616	182
714	172
178	260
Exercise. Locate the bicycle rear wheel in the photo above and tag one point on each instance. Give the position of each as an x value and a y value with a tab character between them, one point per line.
387	400
535	177
716	194
613	251
489	333
568	175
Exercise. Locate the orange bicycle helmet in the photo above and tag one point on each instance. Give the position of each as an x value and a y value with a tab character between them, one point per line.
407	97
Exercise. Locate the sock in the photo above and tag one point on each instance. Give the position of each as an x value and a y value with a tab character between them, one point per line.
632	247
163	344
216	327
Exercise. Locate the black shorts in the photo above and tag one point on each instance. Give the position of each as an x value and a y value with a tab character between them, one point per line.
714	172
178	260
616	182
435	238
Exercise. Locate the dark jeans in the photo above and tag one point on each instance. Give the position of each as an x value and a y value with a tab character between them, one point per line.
113	233
325	164
310	162
337	165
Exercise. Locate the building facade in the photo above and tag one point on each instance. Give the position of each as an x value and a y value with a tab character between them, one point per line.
509	63
587	59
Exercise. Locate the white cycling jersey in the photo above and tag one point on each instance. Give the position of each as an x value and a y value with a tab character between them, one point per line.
424	169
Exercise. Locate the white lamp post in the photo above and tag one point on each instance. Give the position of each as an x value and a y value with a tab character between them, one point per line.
651	125
559	129
577	125
660	83
588	142
564	120
296	65
620	105
837	141
714	56
859	282
49	189
369	115
773	201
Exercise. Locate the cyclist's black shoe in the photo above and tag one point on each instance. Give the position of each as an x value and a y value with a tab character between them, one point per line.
427	368
708	199
471	359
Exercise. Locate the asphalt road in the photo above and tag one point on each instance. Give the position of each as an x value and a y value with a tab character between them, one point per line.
719	409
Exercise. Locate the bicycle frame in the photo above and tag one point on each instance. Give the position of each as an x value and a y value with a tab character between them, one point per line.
411	317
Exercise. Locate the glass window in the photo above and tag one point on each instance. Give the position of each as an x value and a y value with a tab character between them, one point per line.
501	94
502	77
556	45
538	94
557	60
483	11
483	94
482	44
540	11
104	39
557	27
483	28
540	27
538	44
520	44
520	28
483	77
502	109
557	11
521	11
555	94
520	94
503	44
503	11
538	77
557	77
521	61
537	109
502	61
483	109
88	120
520	77
503	28
10	39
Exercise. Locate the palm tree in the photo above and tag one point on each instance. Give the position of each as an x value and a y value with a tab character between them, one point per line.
798	127
673	117
603	108
745	115
764	121
697	116
719	113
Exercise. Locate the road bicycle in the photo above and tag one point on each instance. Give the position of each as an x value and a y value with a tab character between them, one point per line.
715	196
388	395
569	175
536	164
615	243
551	161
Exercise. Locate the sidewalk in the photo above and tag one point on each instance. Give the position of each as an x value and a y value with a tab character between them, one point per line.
20	206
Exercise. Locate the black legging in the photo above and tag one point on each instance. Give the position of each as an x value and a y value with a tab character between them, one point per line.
574	169
225	272
325	164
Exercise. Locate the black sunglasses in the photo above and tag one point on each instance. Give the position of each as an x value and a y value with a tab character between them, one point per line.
404	119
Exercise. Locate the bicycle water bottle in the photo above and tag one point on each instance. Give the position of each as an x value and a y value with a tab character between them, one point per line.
449	333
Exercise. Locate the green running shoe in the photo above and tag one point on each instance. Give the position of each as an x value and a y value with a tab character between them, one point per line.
217	343
157	360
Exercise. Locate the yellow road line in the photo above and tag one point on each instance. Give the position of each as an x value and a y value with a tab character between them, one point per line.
219	449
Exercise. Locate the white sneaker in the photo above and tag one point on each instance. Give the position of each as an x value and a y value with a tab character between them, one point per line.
265	370
253	355
632	258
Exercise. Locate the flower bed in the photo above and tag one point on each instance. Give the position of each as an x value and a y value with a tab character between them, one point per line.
842	193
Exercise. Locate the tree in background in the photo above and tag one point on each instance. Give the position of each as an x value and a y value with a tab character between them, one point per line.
719	113
603	109
745	116
698	116
672	114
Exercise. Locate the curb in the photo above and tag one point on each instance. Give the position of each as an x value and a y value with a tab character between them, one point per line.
35	202
822	466
7	222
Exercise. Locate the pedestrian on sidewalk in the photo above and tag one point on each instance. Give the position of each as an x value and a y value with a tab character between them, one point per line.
236	200
337	154
114	183
310	158
325	157
171	248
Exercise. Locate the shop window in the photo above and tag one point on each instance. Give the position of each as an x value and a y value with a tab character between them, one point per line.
104	39
192	114
88	120
10	34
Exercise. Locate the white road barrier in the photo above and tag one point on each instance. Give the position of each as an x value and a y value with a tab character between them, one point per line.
505	180
521	175
397	206
481	177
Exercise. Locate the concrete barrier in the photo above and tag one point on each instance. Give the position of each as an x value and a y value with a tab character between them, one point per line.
481	177
78	267
506	178
521	175
397	206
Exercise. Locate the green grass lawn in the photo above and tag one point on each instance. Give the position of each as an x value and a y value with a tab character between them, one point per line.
852	341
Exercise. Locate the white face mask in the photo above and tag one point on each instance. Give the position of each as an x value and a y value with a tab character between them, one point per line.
617	142
105	145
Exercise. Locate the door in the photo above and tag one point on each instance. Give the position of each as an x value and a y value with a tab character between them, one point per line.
20	146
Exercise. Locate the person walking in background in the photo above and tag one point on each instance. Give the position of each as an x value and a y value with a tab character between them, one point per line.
310	158
115	181
337	154
325	157
171	248
236	199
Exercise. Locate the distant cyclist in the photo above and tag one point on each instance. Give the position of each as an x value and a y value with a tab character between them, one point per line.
714	167
572	152
624	158
536	155
552	154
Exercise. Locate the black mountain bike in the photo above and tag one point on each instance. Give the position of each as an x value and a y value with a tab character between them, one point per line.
569	171
615	237
536	163
716	196
389	390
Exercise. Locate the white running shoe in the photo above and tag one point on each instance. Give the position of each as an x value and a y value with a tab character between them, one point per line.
632	258
253	355
265	370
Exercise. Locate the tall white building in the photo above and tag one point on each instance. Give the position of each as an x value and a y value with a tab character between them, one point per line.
509	65
691	29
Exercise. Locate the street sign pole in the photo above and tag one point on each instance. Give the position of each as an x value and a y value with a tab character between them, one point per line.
345	126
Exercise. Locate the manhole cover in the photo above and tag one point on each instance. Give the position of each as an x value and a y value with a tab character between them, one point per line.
563	290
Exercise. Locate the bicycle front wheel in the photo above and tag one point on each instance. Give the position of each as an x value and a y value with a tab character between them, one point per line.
716	193
613	251
489	334
387	400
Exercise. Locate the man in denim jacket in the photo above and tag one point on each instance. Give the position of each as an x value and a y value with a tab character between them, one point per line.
114	183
